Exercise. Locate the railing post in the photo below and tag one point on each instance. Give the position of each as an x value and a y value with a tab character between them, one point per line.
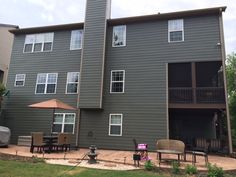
193	69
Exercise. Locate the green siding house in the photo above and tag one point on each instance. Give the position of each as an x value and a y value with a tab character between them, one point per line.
145	78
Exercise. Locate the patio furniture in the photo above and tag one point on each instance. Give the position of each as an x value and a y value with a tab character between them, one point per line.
67	141
37	141
197	153
52	104
141	149
201	145
61	140
5	134
49	140
168	146
215	145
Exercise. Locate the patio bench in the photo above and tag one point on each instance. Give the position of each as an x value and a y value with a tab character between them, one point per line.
168	146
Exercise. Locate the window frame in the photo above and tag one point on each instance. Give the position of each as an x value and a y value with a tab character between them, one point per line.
71	40
113	32
19	80
63	123
46	83
121	124
111	81
33	44
175	30
72	83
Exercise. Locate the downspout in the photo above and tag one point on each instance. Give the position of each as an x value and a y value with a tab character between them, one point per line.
167	103
223	56
77	128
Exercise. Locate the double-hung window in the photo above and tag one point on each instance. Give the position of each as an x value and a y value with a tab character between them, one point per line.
20	80
72	82
38	42
119	36
117	84
64	123
46	83
115	124
176	30
76	39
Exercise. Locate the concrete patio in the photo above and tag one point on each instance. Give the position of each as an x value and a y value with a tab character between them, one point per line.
117	157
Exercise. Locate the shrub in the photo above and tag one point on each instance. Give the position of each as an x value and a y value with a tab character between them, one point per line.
2	89
190	170
175	167
149	165
214	171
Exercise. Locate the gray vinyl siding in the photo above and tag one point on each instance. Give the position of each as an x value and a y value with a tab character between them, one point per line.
143	103
93	55
21	119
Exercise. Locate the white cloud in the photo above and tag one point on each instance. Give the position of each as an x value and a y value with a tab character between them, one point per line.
47	5
47	17
50	12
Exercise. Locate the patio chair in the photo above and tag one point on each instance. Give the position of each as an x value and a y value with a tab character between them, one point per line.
67	141
215	145
60	144
135	145
201	145
37	141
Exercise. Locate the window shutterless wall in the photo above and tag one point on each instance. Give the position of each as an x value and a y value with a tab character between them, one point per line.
144	58
60	60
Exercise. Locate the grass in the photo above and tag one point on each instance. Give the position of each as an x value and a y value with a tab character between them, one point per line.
10	168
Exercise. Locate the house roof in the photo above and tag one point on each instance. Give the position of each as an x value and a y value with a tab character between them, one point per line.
126	20
8	25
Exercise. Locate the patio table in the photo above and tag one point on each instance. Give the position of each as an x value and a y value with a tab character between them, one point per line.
49	140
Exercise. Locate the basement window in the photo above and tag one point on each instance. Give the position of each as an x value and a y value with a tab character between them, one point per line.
176	30
19	80
115	124
119	36
117	81
38	42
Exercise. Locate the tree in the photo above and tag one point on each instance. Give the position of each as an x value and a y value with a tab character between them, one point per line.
231	85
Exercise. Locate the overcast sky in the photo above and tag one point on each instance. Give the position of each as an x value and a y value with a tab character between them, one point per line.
30	13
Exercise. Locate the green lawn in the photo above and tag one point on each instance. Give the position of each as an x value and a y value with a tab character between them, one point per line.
26	169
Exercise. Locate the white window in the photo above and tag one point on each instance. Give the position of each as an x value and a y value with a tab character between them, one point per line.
176	30
76	39
119	36
117	84
20	80
64	123
72	82
46	83
115	124
38	42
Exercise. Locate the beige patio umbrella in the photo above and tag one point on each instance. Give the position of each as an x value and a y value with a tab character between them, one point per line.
52	104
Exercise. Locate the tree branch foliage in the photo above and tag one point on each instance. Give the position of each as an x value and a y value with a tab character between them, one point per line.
231	85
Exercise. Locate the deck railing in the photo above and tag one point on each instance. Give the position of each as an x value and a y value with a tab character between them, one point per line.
206	95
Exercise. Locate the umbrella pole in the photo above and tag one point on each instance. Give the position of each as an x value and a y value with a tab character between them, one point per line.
53	114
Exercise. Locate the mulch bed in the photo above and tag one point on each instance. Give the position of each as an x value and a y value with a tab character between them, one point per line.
32	159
